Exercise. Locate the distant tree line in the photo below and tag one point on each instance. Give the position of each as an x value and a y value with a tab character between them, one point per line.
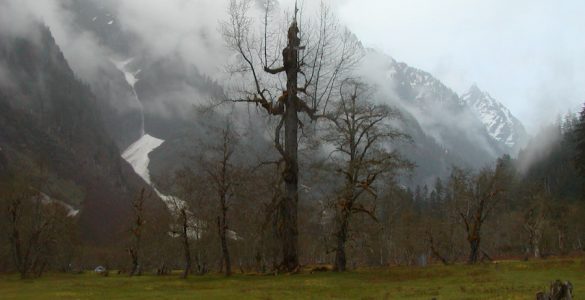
227	218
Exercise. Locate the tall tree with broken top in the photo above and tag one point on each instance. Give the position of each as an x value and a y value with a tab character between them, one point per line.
315	57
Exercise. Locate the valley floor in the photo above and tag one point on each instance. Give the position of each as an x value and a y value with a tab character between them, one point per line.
502	280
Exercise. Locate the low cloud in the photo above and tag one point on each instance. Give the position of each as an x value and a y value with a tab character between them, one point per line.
516	50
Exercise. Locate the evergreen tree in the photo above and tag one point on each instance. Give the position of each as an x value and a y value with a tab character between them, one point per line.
579	139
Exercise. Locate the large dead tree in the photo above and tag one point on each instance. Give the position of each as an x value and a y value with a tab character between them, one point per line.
361	134
313	59
475	198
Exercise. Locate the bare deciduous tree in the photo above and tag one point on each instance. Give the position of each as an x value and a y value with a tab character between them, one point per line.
476	197
310	72
182	225
359	133
182	230
222	174
190	222
136	231
37	225
534	223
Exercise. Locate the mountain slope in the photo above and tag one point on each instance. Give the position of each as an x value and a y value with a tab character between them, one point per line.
437	108
501	124
48	118
445	128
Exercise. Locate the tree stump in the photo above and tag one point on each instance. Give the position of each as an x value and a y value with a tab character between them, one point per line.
559	290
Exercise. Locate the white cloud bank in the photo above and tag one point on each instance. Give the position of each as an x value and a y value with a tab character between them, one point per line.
526	53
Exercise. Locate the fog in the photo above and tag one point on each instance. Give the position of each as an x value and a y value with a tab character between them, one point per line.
527	54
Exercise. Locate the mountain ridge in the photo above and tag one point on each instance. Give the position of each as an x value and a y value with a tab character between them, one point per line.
50	121
500	122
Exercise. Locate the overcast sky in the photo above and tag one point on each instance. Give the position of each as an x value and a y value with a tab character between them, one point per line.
529	54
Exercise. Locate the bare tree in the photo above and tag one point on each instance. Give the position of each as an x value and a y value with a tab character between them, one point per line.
37	225
26	232
475	198
136	231
267	248
181	229
222	174
310	75
182	225
189	226
360	132
534	223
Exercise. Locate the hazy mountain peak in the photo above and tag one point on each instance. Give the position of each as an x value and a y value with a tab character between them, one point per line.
498	120
474	89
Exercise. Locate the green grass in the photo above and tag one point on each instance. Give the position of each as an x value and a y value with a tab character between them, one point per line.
504	280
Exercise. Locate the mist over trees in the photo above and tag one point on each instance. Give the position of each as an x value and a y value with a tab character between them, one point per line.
330	190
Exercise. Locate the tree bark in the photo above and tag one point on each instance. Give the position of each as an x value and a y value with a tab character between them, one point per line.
435	252
186	246
473	249
340	257
221	222
15	240
134	250
289	204
135	265
535	241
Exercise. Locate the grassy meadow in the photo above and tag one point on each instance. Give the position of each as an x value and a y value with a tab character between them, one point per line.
501	280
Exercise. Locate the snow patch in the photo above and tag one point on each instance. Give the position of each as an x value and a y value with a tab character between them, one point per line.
131	79
128	75
137	155
497	119
71	211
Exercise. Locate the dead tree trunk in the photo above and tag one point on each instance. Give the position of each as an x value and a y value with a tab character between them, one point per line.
221	223
474	242
476	197
434	251
345	205
134	250
135	265
321	64
534	237
20	260
288	210
186	245
340	257
224	183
